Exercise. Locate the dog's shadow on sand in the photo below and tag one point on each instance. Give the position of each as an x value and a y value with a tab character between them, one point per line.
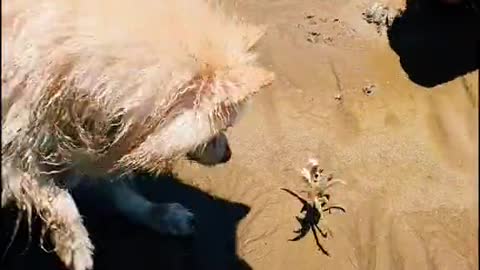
123	246
436	43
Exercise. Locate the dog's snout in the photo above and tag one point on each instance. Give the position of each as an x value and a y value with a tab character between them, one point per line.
227	155
216	151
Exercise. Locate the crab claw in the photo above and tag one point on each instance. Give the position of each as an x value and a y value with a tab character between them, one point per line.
333	182
306	174
313	162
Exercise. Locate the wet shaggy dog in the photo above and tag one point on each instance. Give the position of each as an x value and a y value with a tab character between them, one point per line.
95	90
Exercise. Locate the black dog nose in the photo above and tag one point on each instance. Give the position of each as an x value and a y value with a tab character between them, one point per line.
227	155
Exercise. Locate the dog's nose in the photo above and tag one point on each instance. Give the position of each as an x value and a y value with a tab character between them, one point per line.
227	156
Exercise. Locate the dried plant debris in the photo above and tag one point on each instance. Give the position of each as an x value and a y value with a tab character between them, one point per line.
369	89
338	97
380	15
325	30
314	208
313	37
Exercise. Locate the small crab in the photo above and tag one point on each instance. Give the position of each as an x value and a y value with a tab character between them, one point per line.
319	183
313	209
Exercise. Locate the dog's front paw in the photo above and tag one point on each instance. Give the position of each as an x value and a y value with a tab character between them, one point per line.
82	258
74	247
172	219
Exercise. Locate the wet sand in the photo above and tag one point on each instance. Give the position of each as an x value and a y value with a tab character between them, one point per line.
408	151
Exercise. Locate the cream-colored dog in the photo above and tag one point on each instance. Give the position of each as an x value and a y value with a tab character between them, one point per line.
95	89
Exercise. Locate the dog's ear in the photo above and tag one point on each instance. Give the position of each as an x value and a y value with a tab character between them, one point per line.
211	89
220	93
243	82
231	89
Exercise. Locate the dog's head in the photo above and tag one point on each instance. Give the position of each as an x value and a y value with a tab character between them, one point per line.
197	116
232	103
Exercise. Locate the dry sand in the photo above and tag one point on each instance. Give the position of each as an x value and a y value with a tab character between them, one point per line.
408	152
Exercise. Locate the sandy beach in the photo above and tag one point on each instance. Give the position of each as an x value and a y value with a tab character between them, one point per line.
396	120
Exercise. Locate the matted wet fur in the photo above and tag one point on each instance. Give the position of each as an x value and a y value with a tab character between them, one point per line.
97	89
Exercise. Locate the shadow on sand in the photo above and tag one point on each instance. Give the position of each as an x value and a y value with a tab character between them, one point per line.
436	43
123	246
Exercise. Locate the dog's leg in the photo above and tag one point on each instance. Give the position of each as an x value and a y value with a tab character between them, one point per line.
10	186
68	234
165	218
59	213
